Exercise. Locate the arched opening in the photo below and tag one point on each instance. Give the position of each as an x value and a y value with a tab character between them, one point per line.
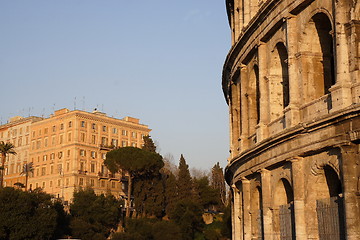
317	57
279	80
283	217
256	215
329	205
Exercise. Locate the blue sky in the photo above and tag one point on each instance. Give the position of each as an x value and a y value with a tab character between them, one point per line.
158	60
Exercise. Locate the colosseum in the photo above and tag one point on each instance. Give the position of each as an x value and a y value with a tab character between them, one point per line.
292	83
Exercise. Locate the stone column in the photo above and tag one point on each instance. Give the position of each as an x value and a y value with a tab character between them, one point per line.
261	130
351	173
236	216
292	113
341	91
266	203
297	174
244	110
246	209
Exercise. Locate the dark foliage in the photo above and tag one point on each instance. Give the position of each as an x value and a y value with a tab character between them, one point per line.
93	216
30	215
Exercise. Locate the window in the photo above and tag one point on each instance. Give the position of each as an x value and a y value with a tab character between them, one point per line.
46	130
43	185
67	182
50	183
104	141
113	184
68	153
43	171
81	181
114	130
92	167
93	154
61	139
134	144
69	137
82	137
33	134
82	124
62	126
20	131
93	126
93	139
54	128
70	124
133	134
114	142
82	166
53	140
38	144
67	166
104	128
103	156
92	182
39	132
44	157
124	132
123	143
102	183
46	142
51	169
19	141
82	153
59	182
52	156
60	154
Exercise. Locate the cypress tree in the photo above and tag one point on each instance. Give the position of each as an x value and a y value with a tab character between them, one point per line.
184	181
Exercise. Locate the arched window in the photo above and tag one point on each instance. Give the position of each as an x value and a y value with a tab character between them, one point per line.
279	81
253	98
317	57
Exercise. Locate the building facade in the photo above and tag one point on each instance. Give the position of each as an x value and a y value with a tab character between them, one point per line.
292	82
68	150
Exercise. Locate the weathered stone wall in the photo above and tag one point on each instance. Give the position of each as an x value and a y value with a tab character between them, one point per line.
292	83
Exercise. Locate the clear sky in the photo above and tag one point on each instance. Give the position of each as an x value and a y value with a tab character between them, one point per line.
157	60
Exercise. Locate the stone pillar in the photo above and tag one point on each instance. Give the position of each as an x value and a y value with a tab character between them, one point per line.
350	175
246	209
236	216
261	130
341	91
292	113
353	37
266	204
297	174
244	110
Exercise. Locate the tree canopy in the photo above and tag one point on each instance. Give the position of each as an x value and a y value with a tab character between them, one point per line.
29	215
134	160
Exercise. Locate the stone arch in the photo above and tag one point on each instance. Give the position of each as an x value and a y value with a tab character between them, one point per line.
279	80
256	213
283	213
329	204
317	56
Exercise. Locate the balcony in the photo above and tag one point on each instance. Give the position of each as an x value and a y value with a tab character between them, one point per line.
106	147
82	172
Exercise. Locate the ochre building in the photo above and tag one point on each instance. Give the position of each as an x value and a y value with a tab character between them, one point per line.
292	82
68	150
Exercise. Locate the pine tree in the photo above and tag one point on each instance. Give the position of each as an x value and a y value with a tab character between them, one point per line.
171	193
149	144
184	181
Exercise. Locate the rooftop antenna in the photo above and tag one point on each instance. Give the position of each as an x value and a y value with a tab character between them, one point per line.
83	103
43	113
